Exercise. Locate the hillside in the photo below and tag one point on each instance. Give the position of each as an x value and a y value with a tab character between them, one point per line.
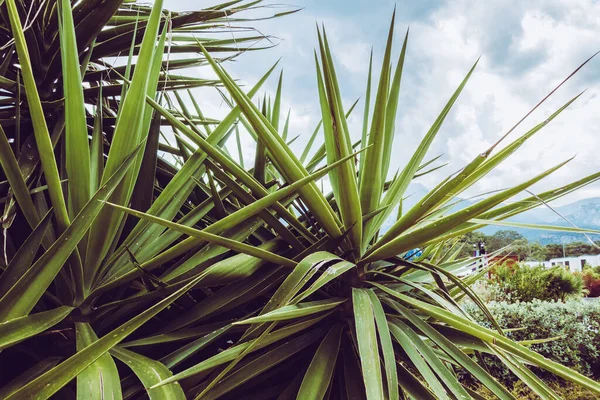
583	213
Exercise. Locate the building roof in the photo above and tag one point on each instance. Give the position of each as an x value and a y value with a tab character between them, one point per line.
573	257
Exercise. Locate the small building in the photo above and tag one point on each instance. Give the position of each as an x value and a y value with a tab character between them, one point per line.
575	264
592	260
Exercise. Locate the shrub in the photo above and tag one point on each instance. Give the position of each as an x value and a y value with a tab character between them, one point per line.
562	284
575	322
564	389
591	281
488	290
522	283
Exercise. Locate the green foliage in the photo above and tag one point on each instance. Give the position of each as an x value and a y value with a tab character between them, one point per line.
167	268
526	250
564	389
555	251
574	324
499	240
535	252
502	239
591	281
581	248
522	283
562	284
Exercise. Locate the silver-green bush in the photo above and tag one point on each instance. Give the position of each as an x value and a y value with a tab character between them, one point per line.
576	323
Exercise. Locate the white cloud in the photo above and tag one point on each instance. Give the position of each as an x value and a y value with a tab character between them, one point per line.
495	98
527	48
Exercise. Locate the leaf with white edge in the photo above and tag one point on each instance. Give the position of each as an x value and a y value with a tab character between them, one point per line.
366	338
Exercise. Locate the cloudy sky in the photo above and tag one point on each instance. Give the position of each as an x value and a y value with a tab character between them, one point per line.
526	49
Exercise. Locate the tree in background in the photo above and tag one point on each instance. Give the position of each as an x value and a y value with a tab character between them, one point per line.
537	252
471	239
522	248
525	249
580	248
554	251
502	239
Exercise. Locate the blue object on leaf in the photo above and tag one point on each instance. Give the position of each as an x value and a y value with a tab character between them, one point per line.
413	254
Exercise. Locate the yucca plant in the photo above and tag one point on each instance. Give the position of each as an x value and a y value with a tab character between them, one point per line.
136	268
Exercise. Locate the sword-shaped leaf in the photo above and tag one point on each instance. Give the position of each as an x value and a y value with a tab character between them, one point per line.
398	188
76	133
233	352
101	379
25	293
294	311
286	162
320	371
421	235
371	172
22	260
366	342
50	382
16	330
150	372
554	228
492	337
40	129
338	146
131	129
385	340
11	169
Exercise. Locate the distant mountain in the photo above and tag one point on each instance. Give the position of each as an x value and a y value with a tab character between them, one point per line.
583	213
